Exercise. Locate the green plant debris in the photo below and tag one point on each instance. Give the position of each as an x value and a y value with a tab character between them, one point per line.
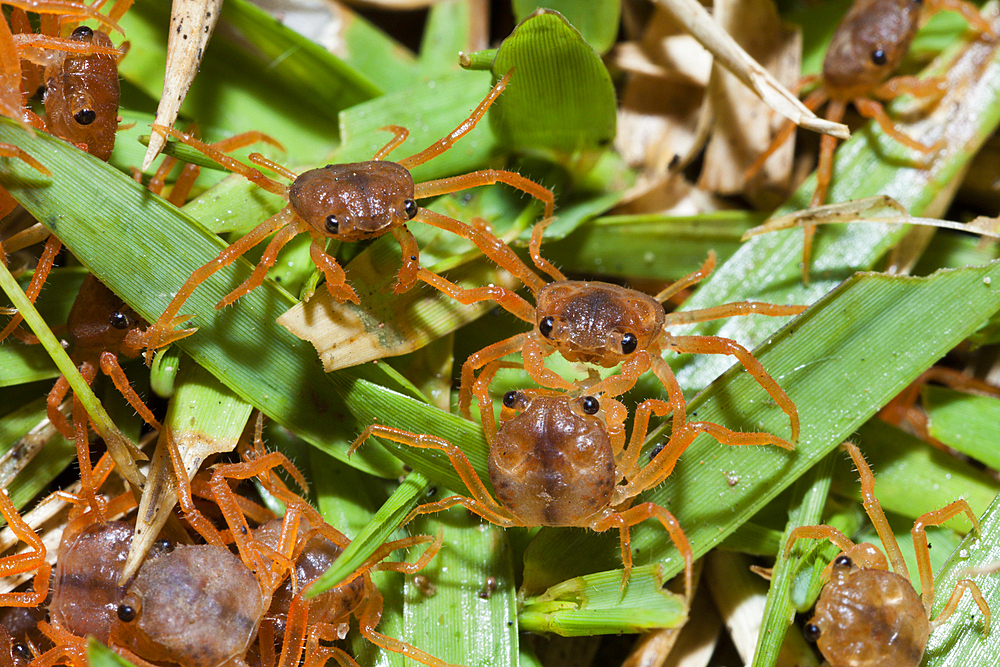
596	604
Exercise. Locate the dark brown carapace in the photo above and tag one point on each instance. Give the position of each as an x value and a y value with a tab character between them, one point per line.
81	100
86	594
349	202
867	616
47	49
82	96
867	47
560	460
354	201
85	589
316	553
100	321
597	323
606	325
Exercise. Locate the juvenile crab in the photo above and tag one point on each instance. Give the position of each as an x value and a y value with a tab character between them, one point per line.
606	325
867	615
867	47
286	557
81	100
79	601
100	327
347	202
560	460
85	588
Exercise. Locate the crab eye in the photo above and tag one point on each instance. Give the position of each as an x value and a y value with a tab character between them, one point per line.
591	405
166	546
85	116
332	224
811	632
545	326
83	32
126	613
410	207
879	57
21	651
119	320
843	561
510	399
629	343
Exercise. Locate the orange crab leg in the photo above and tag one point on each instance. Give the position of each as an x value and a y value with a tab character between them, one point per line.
717	345
444	143
24	562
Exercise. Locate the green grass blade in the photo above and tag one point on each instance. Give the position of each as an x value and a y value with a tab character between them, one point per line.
372	53
809	579
429	111
960	640
204	418
25	478
753	539
913	478
448	33
596	21
121	448
23	364
246	81
966	422
99	655
672	246
465	608
809	497
385	522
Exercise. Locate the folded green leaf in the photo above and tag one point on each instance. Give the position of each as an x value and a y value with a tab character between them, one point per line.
595	604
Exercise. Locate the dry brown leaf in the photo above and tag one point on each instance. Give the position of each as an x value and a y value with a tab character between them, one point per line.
743	125
731	55
191	26
385	325
658	114
882	209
